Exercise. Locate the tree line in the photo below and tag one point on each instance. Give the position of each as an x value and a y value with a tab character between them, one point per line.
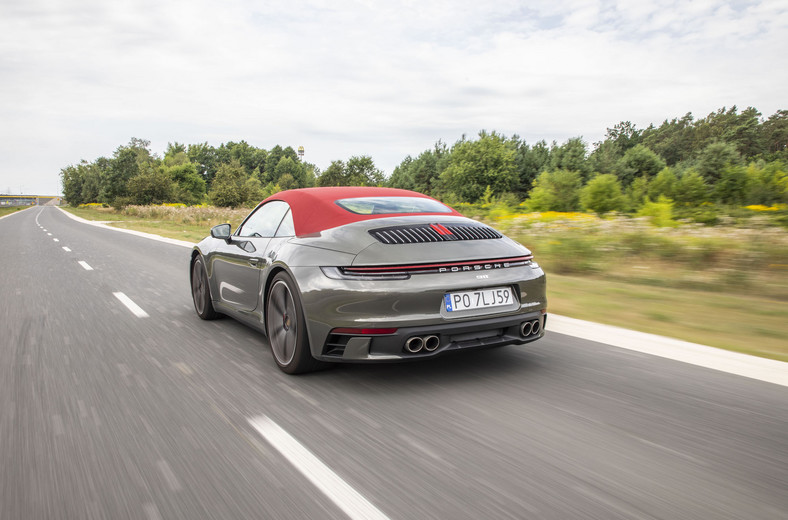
729	157
232	174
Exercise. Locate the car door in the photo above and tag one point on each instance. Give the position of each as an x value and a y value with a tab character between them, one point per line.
238	262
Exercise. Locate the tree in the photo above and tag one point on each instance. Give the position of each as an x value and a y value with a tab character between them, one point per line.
767	184
205	157
604	157
664	184
530	161
732	186
334	175
151	186
293	169
571	156
361	171
228	185
287	182
276	154
715	158
555	191
71	179
637	193
691	189
175	154
474	165
638	161
189	185
673	140
253	191
127	162
402	176
423	173
742	130
252	159
602	194
624	135
775	135
92	179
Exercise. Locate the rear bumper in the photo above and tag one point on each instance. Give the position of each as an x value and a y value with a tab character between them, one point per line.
474	334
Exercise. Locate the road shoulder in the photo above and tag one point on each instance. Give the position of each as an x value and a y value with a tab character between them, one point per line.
763	369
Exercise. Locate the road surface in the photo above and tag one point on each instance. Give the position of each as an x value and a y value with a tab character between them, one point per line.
117	401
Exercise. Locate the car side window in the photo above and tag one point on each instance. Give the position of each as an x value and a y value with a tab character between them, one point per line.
264	221
286	228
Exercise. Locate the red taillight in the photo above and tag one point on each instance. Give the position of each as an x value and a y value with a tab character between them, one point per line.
364	332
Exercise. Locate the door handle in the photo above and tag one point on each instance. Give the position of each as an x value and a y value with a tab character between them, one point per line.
254	261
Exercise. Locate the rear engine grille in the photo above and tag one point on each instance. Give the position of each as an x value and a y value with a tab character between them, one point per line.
422	233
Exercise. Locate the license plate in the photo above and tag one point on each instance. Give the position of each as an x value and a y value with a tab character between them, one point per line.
481	299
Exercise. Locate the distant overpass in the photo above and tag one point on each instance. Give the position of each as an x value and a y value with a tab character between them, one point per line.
30	200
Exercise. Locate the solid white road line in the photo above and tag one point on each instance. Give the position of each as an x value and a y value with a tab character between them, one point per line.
133	307
67	250
768	370
85	265
345	497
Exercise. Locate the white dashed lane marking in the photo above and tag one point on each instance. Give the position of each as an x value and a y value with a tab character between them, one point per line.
130	305
67	250
85	265
345	497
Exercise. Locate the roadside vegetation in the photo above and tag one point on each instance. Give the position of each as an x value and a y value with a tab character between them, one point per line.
11	209
677	229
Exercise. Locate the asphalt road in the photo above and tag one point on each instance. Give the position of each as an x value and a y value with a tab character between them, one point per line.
104	414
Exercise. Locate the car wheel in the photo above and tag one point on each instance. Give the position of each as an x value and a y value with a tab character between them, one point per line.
201	293
286	327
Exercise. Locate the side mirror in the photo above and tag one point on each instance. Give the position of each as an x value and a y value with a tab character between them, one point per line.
222	231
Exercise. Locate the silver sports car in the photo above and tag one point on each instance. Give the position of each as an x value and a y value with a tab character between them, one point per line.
357	274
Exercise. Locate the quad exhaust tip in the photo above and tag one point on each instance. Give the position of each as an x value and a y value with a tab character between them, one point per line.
414	344
530	328
418	343
431	343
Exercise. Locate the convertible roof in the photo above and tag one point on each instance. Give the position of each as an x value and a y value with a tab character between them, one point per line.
314	209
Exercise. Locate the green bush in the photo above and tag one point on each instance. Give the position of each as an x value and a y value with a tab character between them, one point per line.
660	213
602	194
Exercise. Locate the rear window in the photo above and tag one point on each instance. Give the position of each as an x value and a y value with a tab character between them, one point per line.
391	205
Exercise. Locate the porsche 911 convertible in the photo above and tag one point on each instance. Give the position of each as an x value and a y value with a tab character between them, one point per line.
358	274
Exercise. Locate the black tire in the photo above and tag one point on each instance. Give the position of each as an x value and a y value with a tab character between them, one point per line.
286	327
201	291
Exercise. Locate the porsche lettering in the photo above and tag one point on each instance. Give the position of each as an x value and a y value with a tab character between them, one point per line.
473	267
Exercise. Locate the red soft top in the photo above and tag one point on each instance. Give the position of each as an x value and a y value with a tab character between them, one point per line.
314	209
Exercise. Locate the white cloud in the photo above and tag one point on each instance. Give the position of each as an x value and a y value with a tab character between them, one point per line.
351	77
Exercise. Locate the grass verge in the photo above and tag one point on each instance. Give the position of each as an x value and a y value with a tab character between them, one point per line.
11	209
188	223
737	322
726	288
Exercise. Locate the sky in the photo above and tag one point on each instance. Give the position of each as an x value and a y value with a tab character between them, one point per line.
388	79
